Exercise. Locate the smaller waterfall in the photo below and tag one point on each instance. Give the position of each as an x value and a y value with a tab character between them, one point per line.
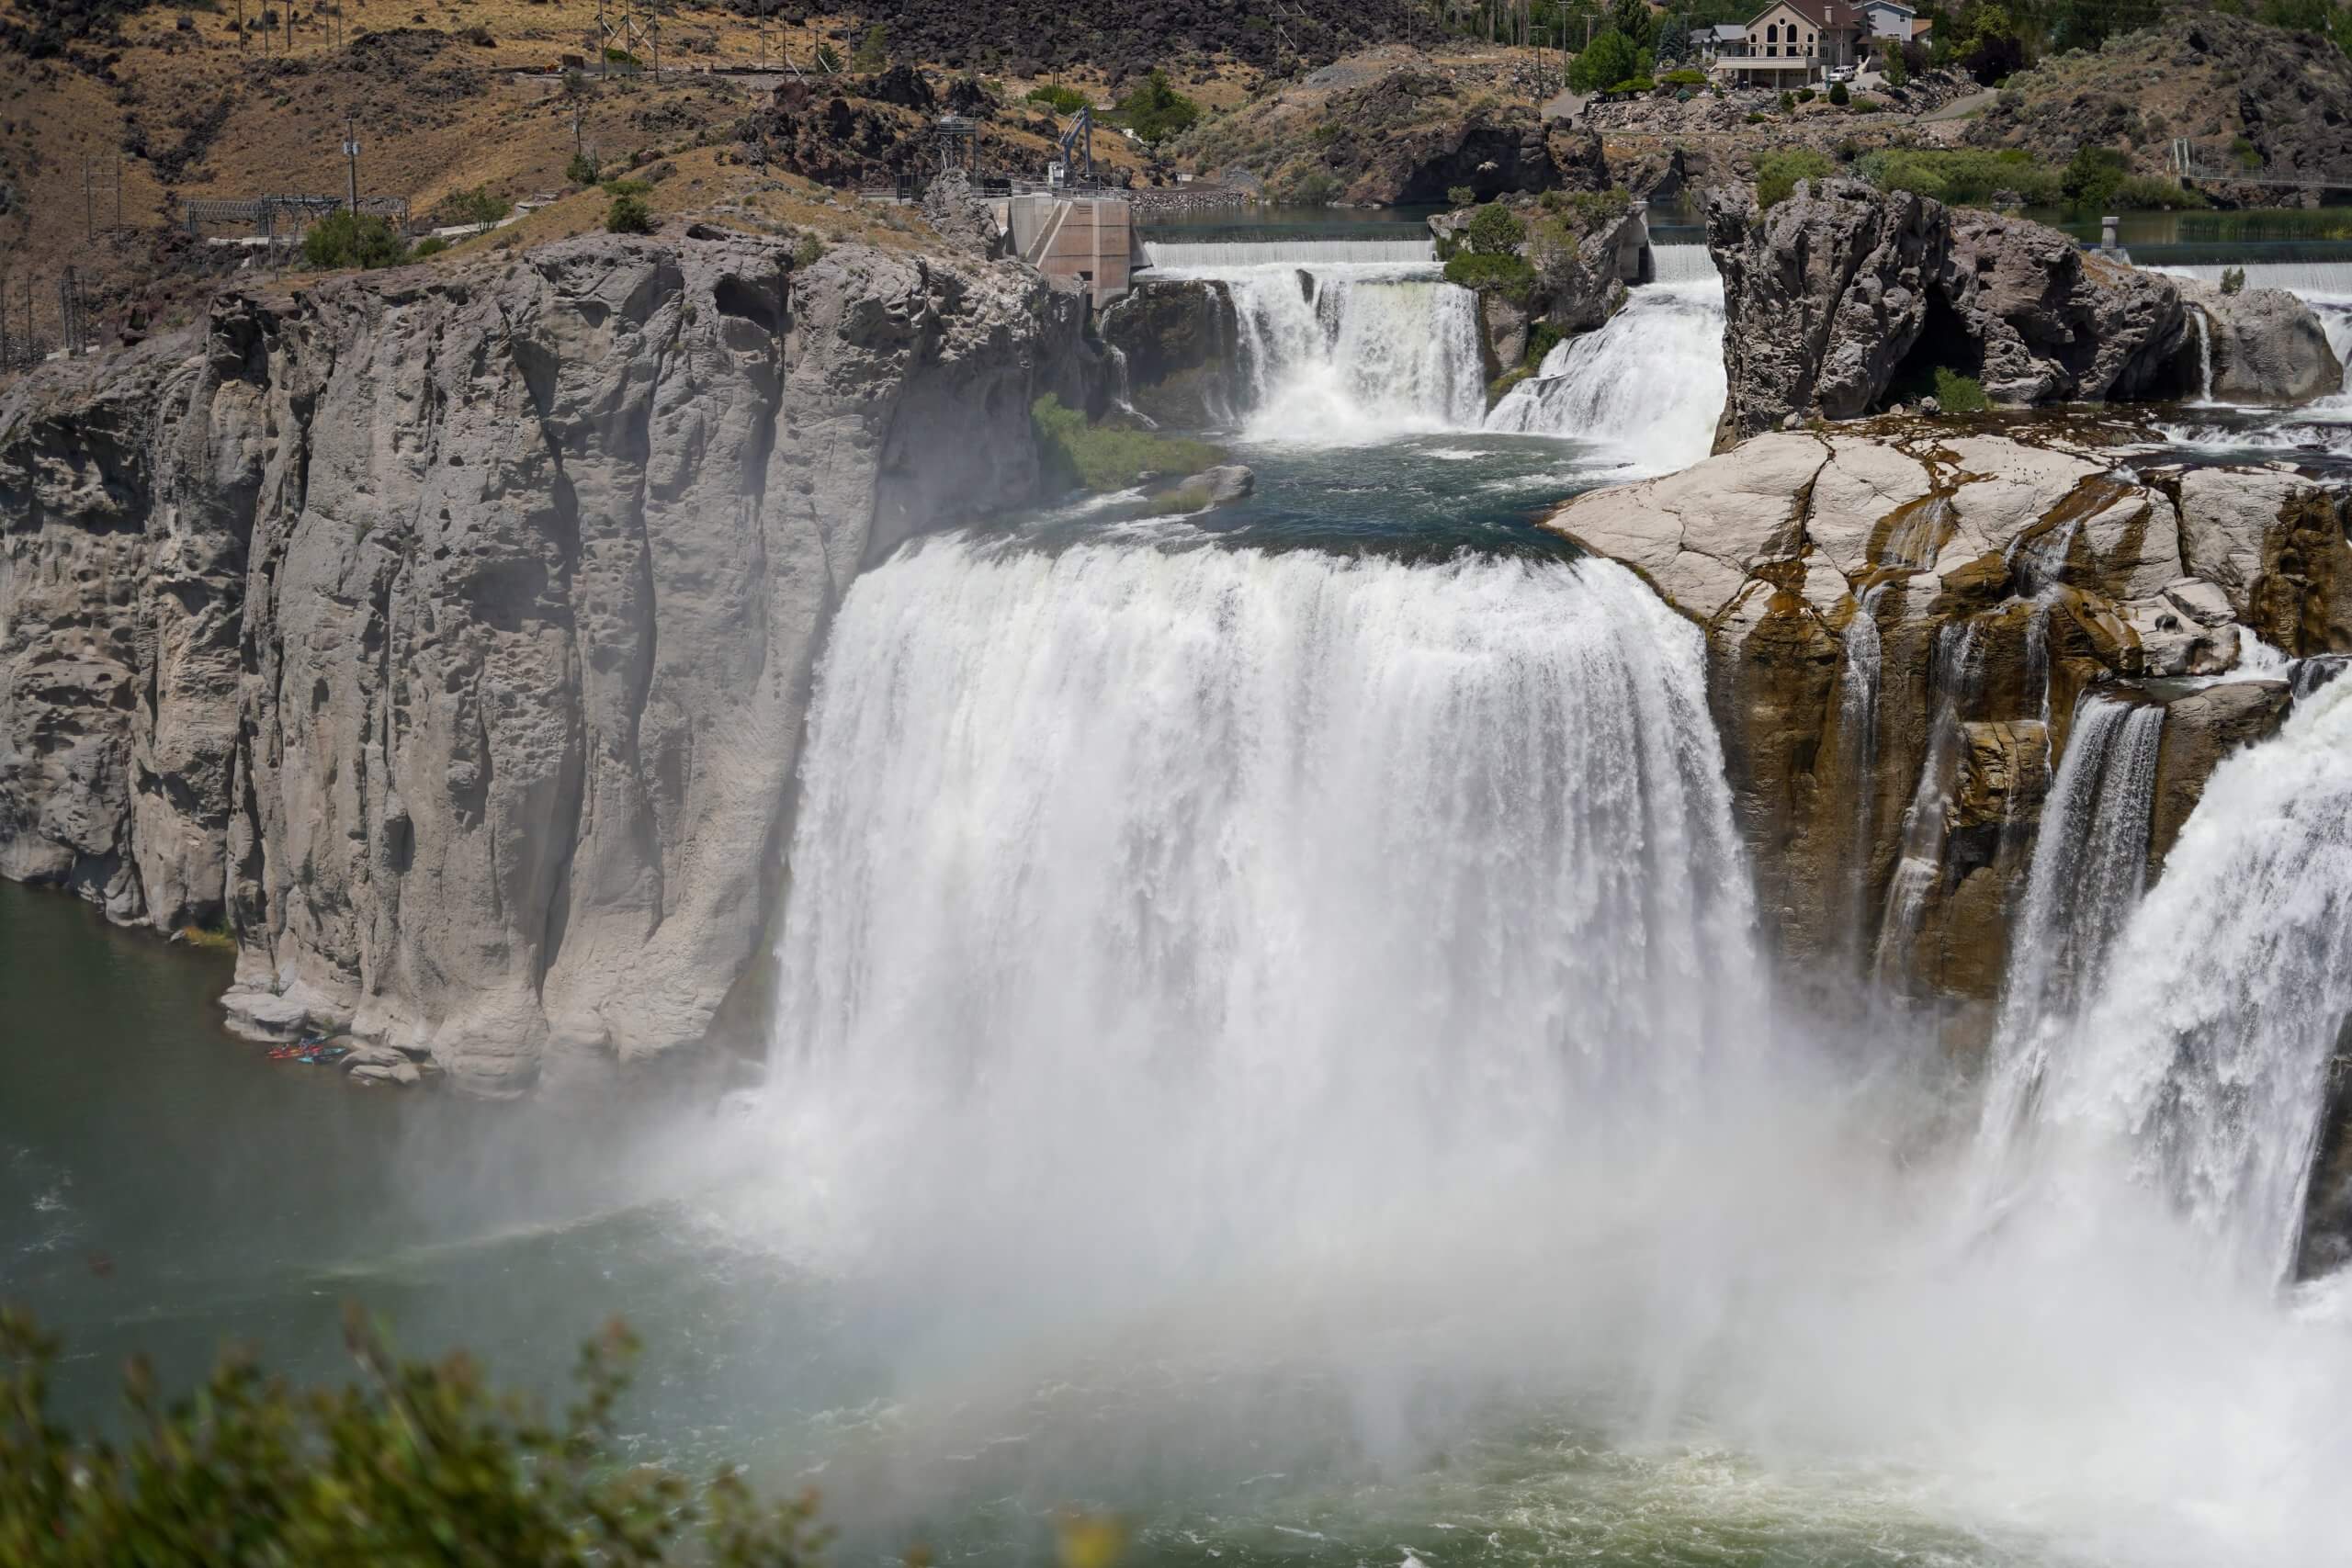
2204	354
1953	674
1858	688
1684	264
2201	1063
1347	355
1650	381
2089	865
2296	278
1182	253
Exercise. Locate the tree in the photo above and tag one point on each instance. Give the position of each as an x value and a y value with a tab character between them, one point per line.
345	238
1156	112
1895	71
1839	95
1608	58
1989	45
2093	178
1494	229
415	1463
629	215
478	206
874	49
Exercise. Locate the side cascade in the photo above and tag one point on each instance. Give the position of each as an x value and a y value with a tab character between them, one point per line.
1649	382
1347	355
1198	865
2200	1061
2089	866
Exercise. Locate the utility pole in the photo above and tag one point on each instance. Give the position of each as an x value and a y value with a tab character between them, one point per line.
351	153
89	208
604	42
118	191
241	24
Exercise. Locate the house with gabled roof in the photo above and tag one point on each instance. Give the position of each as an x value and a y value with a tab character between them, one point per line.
1791	43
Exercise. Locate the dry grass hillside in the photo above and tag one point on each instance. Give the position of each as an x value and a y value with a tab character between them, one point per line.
180	105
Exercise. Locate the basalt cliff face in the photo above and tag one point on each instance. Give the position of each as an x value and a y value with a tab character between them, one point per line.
1900	617
448	636
1842	301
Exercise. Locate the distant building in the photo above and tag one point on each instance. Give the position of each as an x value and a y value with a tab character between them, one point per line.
1793	43
1727	39
1889	18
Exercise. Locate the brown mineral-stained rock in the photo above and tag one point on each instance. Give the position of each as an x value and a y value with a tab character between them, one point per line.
450	632
1863	585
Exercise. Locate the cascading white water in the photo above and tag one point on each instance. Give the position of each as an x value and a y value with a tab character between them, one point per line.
1953	674
1858	698
2201	1059
1179	905
2089	865
2204	354
1650	381
1175	254
1341	356
2296	278
1683	263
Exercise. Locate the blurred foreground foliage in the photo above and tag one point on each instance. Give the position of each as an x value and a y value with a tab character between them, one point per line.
413	1463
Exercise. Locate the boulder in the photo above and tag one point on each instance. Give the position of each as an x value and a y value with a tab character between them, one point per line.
1220	486
1843	299
2266	345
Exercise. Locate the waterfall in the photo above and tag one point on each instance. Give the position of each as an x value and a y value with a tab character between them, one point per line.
1348	355
1858	693
2204	354
1196	253
1171	901
2090	864
1650	381
2296	278
2201	1054
1684	264
1954	671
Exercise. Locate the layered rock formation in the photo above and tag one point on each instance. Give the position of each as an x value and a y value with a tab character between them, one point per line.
1900	619
448	635
2261	345
1178	343
1843	298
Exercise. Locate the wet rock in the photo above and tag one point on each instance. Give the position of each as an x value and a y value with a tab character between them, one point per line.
1861	586
2266	343
1179	341
1223	485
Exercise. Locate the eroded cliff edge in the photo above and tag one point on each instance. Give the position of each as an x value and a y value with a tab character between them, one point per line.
448	636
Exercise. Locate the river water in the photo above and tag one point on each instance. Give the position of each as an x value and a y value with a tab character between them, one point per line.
1273	1049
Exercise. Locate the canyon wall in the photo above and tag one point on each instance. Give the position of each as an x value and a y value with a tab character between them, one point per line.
446	635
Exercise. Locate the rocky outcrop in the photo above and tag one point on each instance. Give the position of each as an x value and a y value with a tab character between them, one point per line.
448	634
2263	345
1177	343
1389	127
1843	299
1580	252
1899	621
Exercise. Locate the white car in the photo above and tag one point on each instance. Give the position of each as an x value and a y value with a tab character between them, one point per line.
1841	74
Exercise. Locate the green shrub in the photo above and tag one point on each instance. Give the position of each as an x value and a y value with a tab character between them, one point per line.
340	240
413	1462
1493	230
828	57
1839	95
2244	155
478	207
2093	178
629	215
1461	196
2155	193
1777	174
1964	176
1313	187
1108	457
2233	280
1061	100
1960	394
1788	103
1754	118
1610	58
627	188
581	170
1507	275
1634	85
619	57
874	49
433	245
808	250
1895	71
1686	78
1542	339
1806	95
1156	112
